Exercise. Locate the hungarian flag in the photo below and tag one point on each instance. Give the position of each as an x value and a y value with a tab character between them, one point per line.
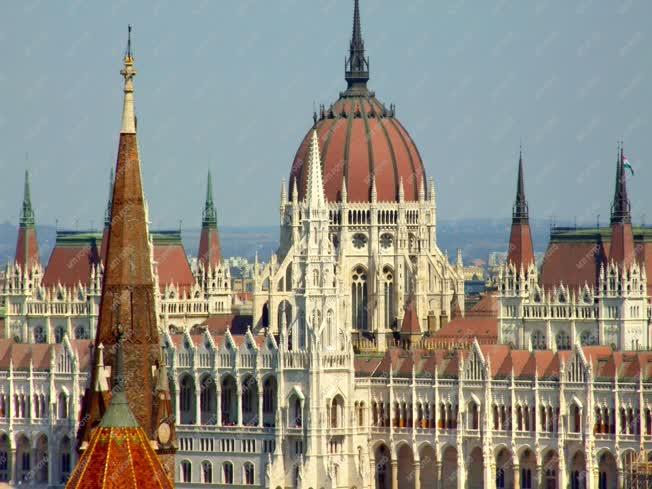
628	165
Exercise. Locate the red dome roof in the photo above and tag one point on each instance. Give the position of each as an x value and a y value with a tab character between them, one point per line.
358	138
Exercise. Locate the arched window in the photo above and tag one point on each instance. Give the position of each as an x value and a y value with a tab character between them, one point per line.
206	472
59	333
63	405
4	458
186	471
269	401
563	341
248	470
538	340
388	296
187	400
208	400
359	298
337	412
39	335
65	457
229	401
587	338
80	333
474	416
227	473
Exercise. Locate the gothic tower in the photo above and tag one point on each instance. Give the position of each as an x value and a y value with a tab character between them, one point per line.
127	307
622	239
27	254
521	252
210	253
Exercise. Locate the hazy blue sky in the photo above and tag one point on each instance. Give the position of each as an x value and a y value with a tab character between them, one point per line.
230	85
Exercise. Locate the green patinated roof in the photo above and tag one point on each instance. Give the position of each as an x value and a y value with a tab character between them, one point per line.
78	238
119	414
593	234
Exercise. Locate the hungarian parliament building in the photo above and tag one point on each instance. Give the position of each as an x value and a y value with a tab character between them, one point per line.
355	363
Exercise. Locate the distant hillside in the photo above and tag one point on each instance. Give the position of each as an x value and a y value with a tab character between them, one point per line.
476	237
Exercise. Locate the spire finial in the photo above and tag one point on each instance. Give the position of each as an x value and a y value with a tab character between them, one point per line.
128	72
520	212
620	208
27	213
209	216
357	65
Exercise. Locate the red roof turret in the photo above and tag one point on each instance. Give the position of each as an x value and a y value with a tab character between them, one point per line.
622	239
210	253
27	254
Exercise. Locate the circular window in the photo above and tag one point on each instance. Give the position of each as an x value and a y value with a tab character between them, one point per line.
359	240
386	241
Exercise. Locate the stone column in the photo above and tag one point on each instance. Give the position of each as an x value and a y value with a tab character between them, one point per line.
218	400
239	394
438	474
539	477
517	477
621	479
417	475
260	407
395	474
197	402
13	467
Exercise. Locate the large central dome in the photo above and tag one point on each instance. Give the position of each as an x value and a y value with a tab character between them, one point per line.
360	138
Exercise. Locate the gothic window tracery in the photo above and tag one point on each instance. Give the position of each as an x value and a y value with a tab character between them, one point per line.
388	291
538	340
359	298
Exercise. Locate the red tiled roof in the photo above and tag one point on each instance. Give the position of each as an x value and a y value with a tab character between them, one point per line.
356	142
209	252
521	251
173	266
27	247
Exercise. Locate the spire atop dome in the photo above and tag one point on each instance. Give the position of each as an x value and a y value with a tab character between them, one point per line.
520	211
620	208
357	65
128	72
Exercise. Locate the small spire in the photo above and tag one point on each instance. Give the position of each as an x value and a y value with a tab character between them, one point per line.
209	215
401	190
620	208
357	65
431	191
284	194
295	191
315	192
128	72
109	204
27	213
520	212
374	190
345	193
422	190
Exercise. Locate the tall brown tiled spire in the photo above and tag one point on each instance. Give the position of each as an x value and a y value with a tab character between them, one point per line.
27	254
622	239
127	307
210	253
521	251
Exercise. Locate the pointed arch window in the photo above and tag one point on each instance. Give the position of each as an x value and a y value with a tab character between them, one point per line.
359	299
388	293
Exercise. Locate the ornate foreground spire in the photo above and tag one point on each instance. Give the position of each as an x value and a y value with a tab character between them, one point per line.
27	253
357	65
127	316
209	216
